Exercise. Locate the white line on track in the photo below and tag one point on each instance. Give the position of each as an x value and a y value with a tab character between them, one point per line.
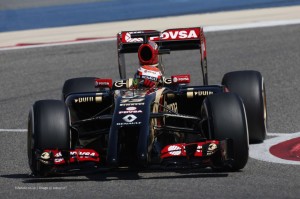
279	134
13	130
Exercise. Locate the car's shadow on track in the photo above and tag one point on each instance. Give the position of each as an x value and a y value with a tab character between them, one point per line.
148	174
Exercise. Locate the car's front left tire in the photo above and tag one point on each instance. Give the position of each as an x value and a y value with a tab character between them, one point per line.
48	128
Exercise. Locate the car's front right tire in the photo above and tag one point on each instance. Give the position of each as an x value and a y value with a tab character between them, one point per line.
225	118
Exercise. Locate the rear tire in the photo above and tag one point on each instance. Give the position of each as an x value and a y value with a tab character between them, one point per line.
249	85
226	119
78	85
48	128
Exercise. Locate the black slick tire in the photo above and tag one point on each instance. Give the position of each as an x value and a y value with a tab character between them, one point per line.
226	119
249	85
48	128
78	85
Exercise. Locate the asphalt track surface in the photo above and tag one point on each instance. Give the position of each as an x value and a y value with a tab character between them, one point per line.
28	75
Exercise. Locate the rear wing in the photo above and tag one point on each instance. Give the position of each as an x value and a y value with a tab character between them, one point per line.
171	39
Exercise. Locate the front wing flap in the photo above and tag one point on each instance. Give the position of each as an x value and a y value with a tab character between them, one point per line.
59	157
206	153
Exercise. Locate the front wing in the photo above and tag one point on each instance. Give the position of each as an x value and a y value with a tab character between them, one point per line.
212	153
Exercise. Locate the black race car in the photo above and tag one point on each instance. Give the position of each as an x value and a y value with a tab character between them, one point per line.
104	124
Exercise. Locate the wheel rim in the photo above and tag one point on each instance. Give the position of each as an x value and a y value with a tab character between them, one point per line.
264	105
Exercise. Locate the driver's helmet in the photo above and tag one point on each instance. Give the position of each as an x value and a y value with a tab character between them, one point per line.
147	77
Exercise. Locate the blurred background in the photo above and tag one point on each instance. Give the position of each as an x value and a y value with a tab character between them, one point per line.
33	14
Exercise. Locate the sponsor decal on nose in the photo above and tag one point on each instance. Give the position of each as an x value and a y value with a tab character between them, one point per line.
129	118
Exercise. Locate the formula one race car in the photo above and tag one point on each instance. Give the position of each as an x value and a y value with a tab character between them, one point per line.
150	119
